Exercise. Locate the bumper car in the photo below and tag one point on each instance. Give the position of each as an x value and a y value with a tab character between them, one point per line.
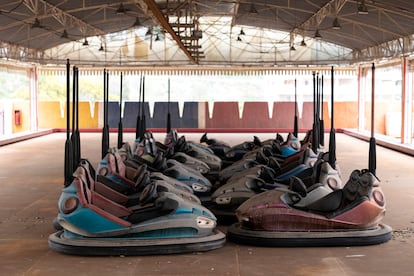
174	144
187	174
291	146
128	180
227	198
272	149
200	185
230	154
191	162
237	167
162	222
246	178
219	148
155	155
349	216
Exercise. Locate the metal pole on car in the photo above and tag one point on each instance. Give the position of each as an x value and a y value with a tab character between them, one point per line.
120	127
138	122
332	142
321	122
68	162
168	107
295	122
105	129
372	162
315	132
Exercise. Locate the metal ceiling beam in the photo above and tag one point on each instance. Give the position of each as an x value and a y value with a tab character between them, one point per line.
349	38
393	20
394	48
65	18
365	25
41	10
389	8
20	53
331	7
153	7
235	12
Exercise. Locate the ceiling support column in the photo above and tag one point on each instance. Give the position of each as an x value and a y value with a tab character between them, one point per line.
406	103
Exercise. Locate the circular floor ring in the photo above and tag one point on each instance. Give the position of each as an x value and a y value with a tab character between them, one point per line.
371	236
117	247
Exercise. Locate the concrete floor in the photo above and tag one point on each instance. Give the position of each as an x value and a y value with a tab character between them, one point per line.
31	177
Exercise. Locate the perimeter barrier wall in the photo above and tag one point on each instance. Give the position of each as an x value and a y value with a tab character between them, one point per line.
204	115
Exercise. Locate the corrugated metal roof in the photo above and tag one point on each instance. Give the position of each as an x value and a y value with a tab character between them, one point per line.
30	29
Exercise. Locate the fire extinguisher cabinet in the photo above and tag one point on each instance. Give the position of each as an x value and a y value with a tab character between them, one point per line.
17	117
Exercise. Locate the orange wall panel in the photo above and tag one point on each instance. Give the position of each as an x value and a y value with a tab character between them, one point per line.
49	115
85	118
346	115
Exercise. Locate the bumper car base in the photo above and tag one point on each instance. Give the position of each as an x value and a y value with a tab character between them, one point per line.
371	236
133	247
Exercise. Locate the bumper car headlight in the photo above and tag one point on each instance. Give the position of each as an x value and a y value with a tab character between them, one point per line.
223	200
202	170
204	222
69	205
199	188
379	197
244	219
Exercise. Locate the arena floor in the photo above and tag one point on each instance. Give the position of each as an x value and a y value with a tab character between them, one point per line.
31	178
